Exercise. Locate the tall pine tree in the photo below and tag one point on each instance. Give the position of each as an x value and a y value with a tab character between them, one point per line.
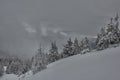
53	53
68	49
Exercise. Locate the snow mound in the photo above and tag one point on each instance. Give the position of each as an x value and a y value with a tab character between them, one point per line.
99	65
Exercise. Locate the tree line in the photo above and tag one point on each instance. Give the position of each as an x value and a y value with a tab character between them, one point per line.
108	36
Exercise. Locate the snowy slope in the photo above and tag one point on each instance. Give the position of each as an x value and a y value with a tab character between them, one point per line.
102	65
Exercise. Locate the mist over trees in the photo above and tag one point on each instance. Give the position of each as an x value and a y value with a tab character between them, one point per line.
109	36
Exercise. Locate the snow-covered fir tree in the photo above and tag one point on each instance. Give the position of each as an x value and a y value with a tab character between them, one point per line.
76	47
102	40
84	45
39	61
53	53
109	35
68	49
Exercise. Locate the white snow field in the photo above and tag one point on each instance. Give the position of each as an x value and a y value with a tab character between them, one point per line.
99	65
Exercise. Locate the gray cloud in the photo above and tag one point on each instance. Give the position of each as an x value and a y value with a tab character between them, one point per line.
26	23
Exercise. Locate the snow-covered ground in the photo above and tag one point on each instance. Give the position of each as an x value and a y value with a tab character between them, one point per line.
99	65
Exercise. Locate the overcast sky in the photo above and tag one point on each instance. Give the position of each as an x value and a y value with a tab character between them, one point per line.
26	23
